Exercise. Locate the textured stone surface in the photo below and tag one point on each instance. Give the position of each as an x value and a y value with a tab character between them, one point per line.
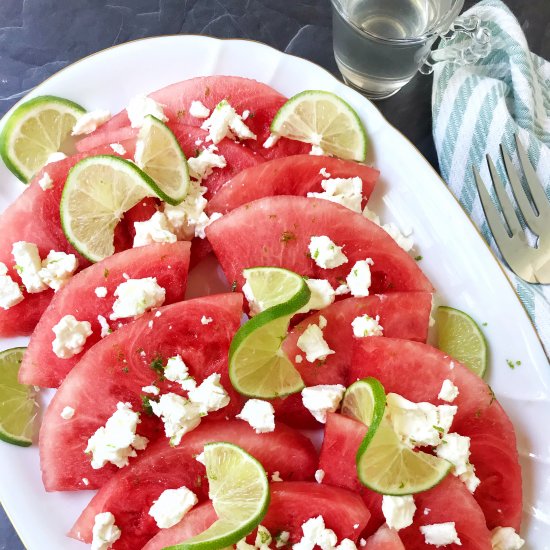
39	37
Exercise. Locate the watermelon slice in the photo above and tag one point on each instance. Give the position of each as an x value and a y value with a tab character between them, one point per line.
448	501
116	369
295	175
402	314
164	467
283	227
167	262
384	539
243	94
292	504
416	371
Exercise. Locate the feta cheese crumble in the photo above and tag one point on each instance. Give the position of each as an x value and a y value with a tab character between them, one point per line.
225	122
57	269
206	320
259	414
449	392
203	222
367	326
315	533
89	122
210	396
323	172
322	399
135	296
322	295
456	449
185	216
100	291
45	181
201	166
56	157
153	390
419	424
505	538
359	278
276	476
398	511
271	141
440	534
317	151
118	148
154	230
178	414
104	532
263	538
325	253
319	476
403	239
86	481
105	328
67	413
10	293
28	265
345	191
117	441
171	506
70	336
313	343
176	370
198	110
140	106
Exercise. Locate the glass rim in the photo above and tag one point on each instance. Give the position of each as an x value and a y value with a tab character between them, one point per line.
432	32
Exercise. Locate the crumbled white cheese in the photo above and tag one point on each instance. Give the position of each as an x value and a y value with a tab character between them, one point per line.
419	424
362	543
101	291
315	533
171	506
153	390
57	269
319	476
210	395
345	191
89	122
323	172
313	344
206	320
322	399
28	266
469	478
140	106
322	322
259	414
105	328
198	110
263	538
179	415
136	296
325	253
243	545
282	539
440	534
10	293
86	481
203	222
225	122
505	538
154	230
56	157
176	370
117	441
104	532
367	326
185	215
271	141
298	359
449	392
67	413
201	166
276	476
322	295
45	181
404	240
317	151
370	215
359	278
342	289
456	449
70	336
118	148
346	544
398	511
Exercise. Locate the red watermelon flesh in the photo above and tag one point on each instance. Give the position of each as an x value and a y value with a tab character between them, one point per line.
295	175
448	501
164	467
417	371
384	539
292	503
116	369
243	94
167	262
282	228
402	315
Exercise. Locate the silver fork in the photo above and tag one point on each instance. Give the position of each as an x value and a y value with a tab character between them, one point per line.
530	263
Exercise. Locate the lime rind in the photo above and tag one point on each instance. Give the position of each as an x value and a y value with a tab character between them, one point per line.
348	142
23	113
365	401
157	171
239	491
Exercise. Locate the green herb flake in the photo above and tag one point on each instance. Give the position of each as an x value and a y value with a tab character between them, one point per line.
510	364
439	429
146	405
157	364
418	258
484	324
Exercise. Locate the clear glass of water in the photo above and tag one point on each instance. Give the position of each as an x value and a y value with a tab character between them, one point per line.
380	44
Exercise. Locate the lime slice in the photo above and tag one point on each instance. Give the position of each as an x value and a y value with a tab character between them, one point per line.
461	338
18	408
258	366
365	400
97	193
239	491
159	155
34	131
325	120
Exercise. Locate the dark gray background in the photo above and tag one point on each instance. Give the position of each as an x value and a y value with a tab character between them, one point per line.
40	37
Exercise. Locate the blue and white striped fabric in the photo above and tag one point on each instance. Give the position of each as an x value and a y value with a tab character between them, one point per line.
475	108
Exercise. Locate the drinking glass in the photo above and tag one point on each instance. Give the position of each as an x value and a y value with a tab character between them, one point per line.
380	44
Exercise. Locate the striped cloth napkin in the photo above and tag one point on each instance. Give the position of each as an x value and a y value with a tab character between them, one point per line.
475	108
